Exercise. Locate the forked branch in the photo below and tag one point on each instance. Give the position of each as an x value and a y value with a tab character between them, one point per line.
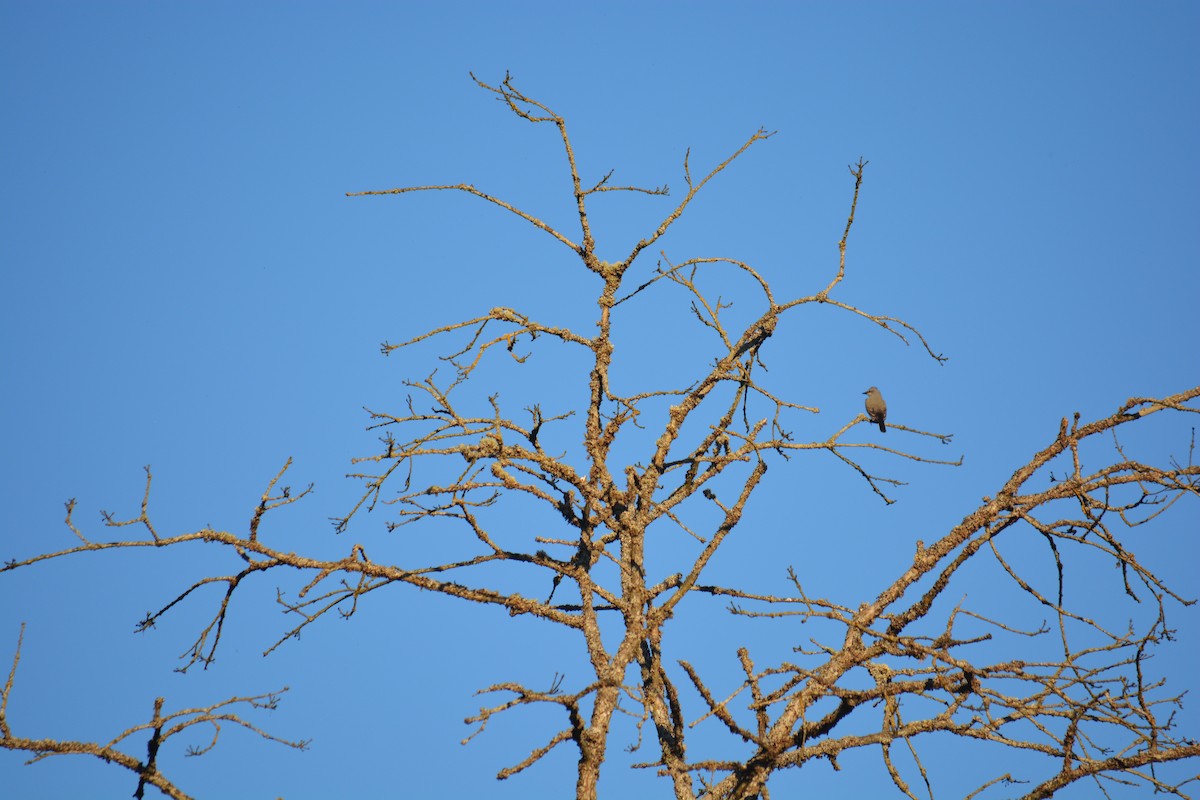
159	730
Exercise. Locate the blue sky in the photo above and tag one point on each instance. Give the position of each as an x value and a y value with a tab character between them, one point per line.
185	285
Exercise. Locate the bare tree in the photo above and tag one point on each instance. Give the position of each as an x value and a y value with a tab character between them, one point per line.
895	669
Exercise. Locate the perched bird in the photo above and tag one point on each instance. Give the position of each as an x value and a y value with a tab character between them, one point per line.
876	408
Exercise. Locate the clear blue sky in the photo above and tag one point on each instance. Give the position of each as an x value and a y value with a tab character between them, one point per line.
186	286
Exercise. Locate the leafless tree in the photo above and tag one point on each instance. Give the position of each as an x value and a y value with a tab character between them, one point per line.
893	670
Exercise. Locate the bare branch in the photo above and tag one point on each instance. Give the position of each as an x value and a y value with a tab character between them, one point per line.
161	728
479	507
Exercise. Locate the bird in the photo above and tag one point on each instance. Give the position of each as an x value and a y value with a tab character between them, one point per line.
876	408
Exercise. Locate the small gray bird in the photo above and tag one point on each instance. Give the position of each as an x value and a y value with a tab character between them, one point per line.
876	408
